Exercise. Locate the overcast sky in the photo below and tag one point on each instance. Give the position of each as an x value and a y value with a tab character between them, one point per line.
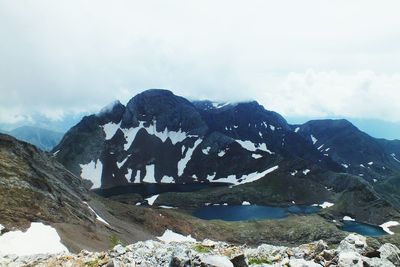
300	58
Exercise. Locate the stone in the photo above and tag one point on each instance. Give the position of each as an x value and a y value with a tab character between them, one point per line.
353	242
391	253
350	259
215	261
239	261
302	263
119	249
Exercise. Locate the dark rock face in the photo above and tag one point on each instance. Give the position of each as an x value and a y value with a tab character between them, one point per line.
159	137
360	154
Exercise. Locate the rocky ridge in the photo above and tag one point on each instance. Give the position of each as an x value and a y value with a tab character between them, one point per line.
354	250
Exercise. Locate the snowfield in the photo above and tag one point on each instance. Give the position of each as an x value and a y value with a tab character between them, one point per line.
385	226
38	239
92	172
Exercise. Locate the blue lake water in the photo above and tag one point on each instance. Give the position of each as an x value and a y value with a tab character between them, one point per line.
251	212
362	228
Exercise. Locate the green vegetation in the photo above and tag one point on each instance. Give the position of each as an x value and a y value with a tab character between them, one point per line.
259	261
114	240
202	249
93	263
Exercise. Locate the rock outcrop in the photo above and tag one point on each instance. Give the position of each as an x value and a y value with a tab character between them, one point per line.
352	251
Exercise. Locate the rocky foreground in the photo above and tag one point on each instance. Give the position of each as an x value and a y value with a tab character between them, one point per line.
352	251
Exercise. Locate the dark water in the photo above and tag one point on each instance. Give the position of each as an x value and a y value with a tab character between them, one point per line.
251	212
362	228
153	189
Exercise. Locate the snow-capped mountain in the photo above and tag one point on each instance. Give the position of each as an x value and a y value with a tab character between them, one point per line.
163	138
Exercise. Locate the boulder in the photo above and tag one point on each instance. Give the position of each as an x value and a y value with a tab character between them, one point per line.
391	253
215	261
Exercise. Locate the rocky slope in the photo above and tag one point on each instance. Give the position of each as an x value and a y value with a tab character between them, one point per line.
179	251
34	187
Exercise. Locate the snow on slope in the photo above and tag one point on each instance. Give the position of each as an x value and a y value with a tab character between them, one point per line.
151	199
38	239
246	178
130	134
250	146
149	178
92	172
97	216
385	226
183	162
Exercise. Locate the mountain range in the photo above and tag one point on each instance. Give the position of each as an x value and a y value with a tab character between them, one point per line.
142	156
42	138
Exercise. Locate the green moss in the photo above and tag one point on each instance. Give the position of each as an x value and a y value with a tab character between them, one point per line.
114	240
202	249
93	263
259	261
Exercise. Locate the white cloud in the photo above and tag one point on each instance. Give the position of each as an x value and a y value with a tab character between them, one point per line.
363	94
63	57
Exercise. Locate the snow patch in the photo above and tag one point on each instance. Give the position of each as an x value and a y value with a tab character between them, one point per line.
167	179
137	177
326	204
167	207
92	172
170	236
394	157
149	178
151	199
348	218
314	140
297	129
247	178
221	153
206	151
119	164
128	176
38	239
345	165
211	177
256	156
245	203
272	127
385	226
370	163
306	171
293	173
97	216
250	146
110	129
374	180
183	162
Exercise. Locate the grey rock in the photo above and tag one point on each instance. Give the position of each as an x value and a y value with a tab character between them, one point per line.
391	253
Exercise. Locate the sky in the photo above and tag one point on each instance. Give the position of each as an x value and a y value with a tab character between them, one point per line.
303	59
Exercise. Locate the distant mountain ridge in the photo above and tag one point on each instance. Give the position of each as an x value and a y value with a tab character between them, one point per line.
42	138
